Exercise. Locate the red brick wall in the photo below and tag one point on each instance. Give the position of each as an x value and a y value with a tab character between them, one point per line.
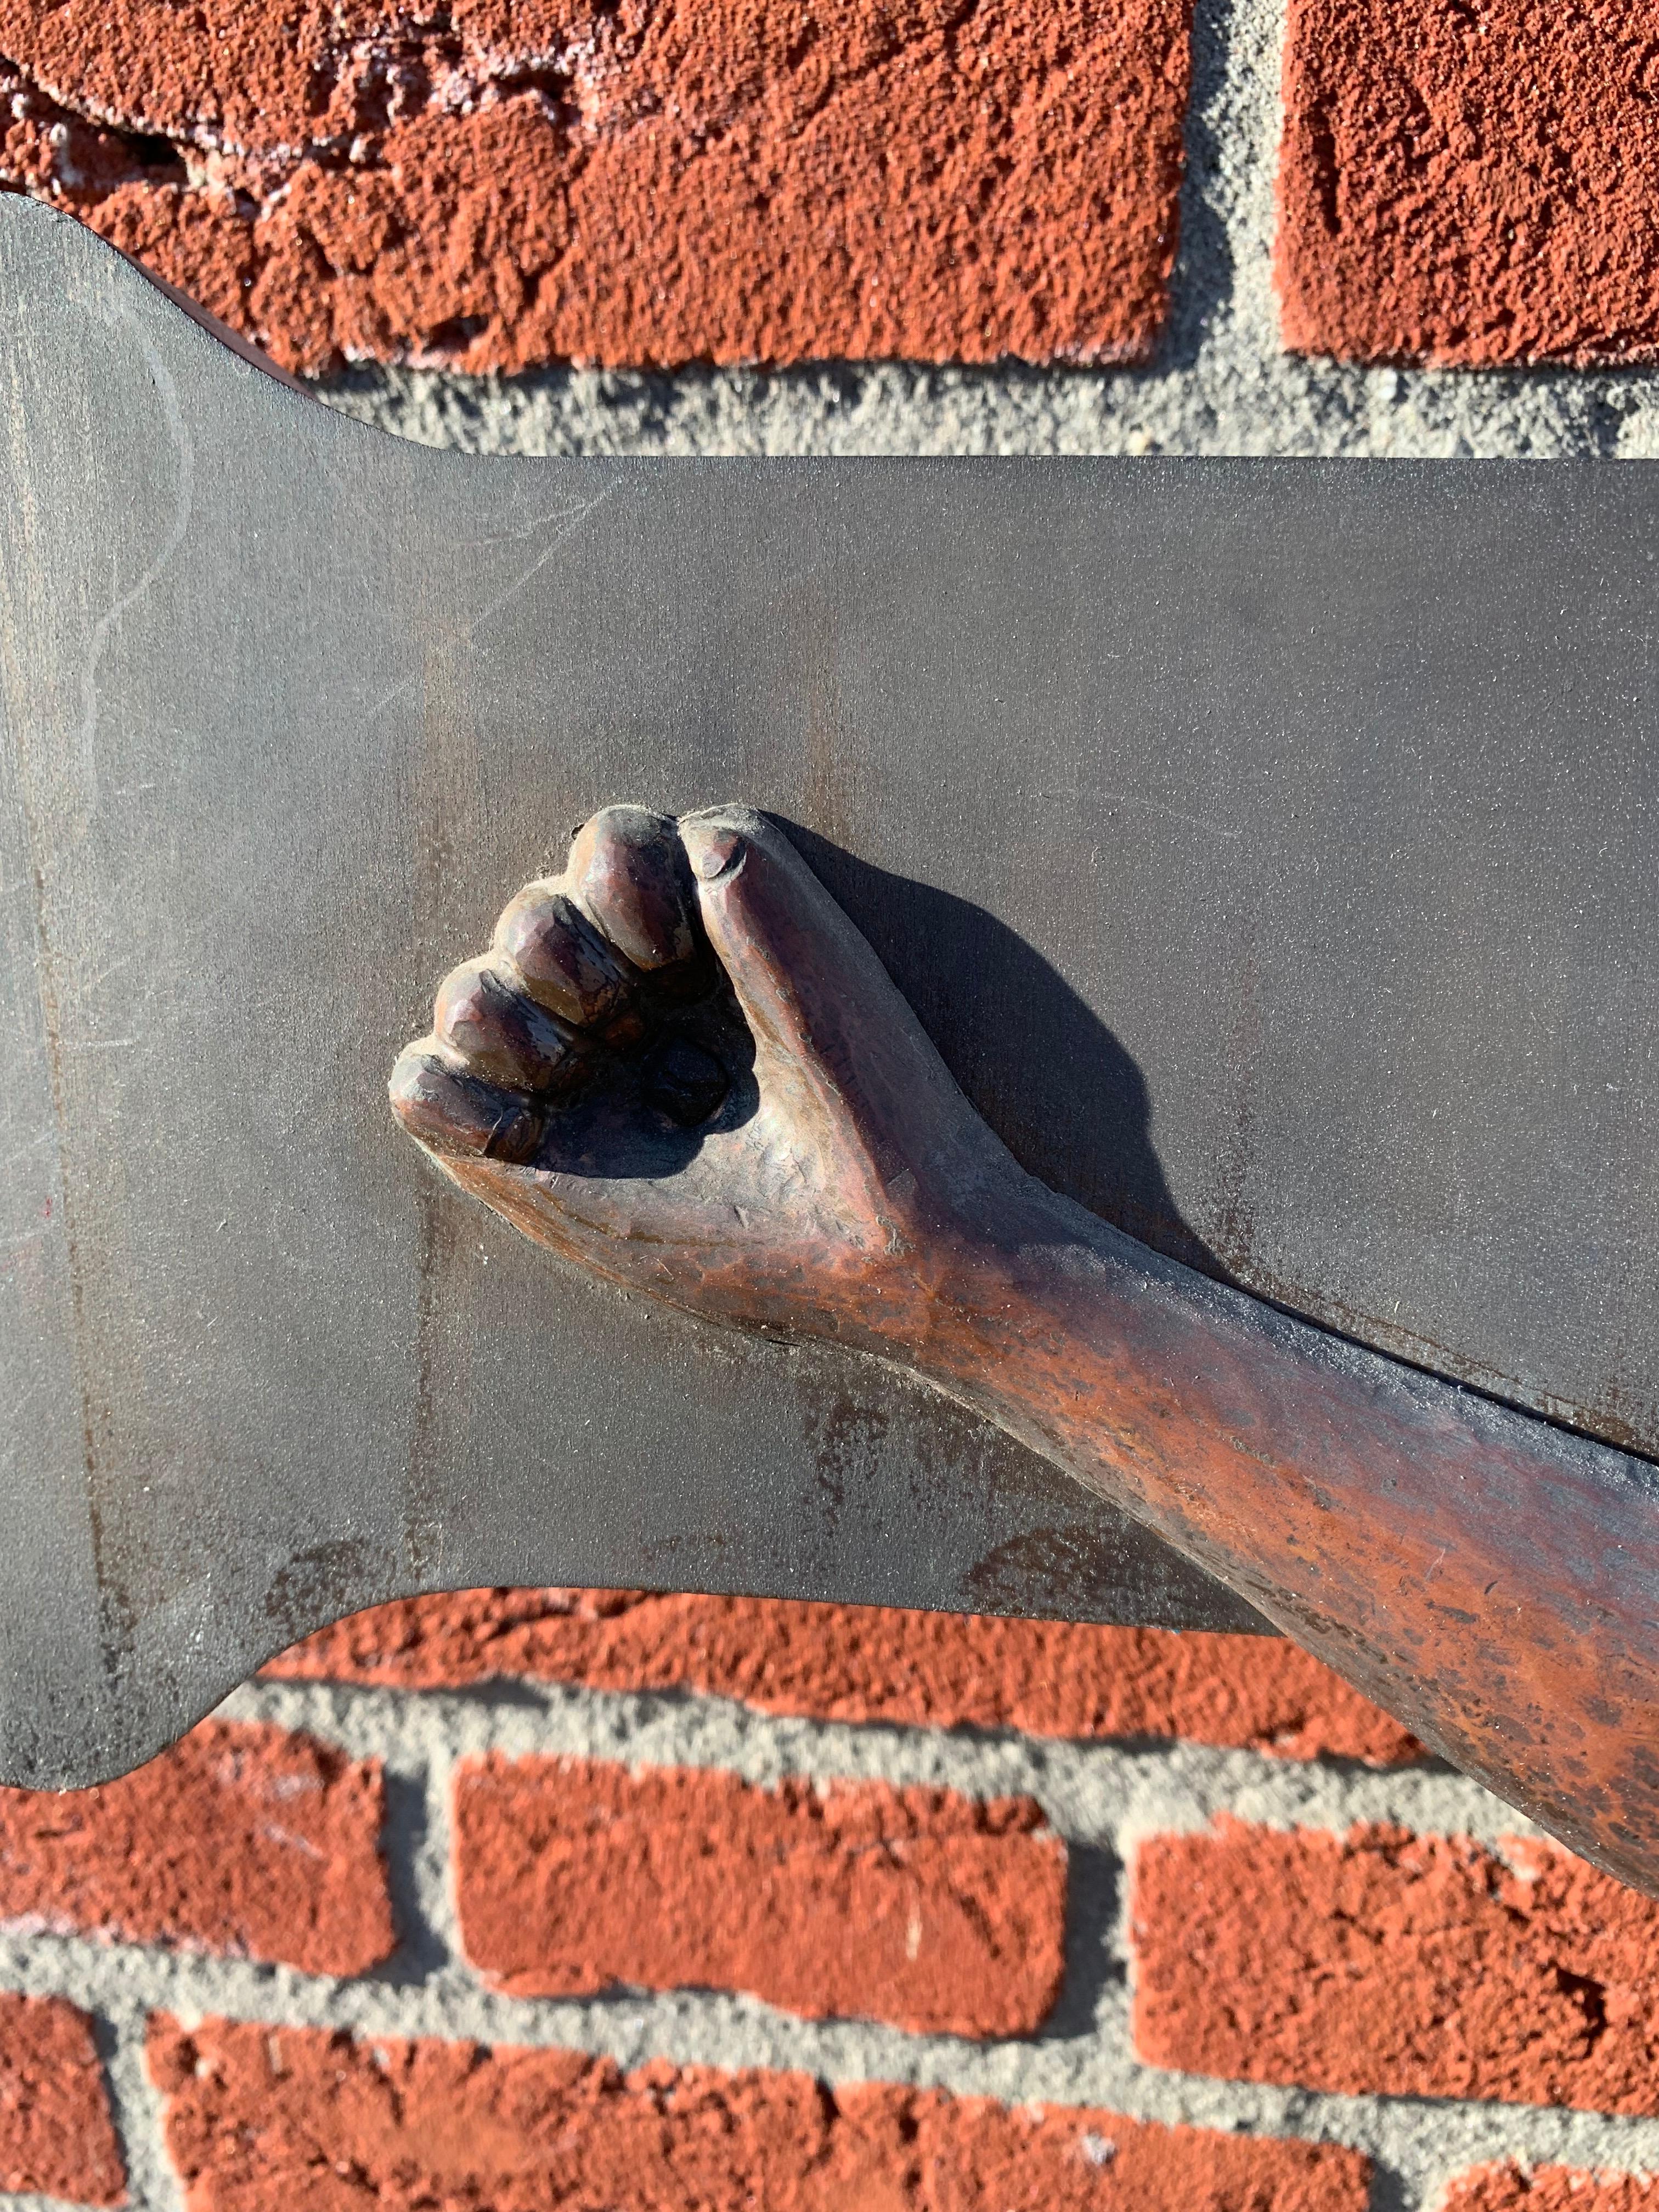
940	1914
1504	2187
250	2113
864	1664
419	2038
56	2135
502	183
650	181
1471	181
241	1840
1422	1967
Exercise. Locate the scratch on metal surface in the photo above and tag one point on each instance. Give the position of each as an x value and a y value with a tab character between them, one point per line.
1219	829
566	512
183	494
572	519
404	683
106	968
372	517
22	1151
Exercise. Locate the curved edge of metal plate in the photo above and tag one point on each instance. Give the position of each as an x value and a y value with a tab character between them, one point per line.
138	1584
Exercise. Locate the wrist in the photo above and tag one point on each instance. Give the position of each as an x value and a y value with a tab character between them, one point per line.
1007	1297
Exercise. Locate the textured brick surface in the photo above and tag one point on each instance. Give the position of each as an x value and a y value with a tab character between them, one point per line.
1400	1965
56	2132
628	180
1506	2187
933	1910
242	1839
1471	180
865	1663
255	2115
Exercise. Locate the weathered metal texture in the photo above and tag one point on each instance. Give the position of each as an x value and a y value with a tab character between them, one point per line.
1268	847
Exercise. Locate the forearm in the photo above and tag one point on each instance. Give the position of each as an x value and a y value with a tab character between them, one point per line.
1487	1577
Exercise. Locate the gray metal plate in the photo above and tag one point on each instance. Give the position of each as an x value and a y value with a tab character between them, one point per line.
1267	846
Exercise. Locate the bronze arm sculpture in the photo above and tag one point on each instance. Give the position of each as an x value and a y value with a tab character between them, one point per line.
682	1068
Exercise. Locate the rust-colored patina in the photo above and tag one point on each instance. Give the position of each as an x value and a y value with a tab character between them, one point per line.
683	1068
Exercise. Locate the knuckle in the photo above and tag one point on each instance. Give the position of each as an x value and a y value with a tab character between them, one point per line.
565	965
450	1111
629	870
499	1033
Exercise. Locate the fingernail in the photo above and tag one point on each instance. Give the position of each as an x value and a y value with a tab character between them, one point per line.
715	853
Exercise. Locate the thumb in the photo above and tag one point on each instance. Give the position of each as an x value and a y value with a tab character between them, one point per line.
811	987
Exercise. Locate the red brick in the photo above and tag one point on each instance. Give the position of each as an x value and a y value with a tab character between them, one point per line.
1508	2188
867	1663
41	142
1386	1963
1471	181
242	1839
653	181
259	2119
936	1911
56	2135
